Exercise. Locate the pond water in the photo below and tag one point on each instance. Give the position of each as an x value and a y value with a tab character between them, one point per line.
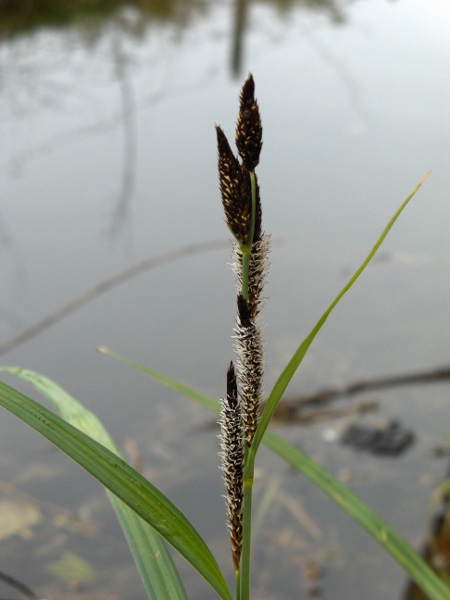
108	158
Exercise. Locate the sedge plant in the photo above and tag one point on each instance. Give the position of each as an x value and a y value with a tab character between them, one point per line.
149	519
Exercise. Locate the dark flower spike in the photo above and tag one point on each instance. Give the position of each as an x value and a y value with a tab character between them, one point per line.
248	127
235	188
232	455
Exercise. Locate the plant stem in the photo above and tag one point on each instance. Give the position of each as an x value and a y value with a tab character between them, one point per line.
247	526
249	460
245	270
238	585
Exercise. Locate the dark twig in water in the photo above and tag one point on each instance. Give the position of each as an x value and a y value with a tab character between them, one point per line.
105	286
303	410
288	415
23	589
292	405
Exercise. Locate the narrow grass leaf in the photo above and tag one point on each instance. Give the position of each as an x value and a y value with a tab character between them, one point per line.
291	368
154	563
401	551
182	389
123	481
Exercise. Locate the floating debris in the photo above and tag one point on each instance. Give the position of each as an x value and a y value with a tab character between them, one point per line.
17	518
389	439
72	568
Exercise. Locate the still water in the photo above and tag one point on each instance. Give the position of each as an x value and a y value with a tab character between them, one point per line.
108	158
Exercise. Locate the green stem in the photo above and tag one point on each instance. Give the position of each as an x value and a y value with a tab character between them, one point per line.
245	271
249	462
247	526
238	585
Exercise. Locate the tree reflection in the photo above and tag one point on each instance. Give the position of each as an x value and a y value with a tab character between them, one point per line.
20	17
29	86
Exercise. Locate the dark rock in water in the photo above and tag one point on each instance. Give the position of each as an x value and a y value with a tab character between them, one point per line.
390	440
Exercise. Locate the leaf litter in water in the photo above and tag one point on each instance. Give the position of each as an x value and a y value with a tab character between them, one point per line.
71	567
17	518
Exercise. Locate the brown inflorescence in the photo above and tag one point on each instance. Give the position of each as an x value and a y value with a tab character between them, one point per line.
250	367
232	455
240	410
236	192
249	127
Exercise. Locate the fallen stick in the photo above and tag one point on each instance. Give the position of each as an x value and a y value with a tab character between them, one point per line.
105	286
368	385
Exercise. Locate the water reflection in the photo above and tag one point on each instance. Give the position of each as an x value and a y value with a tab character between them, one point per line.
242	20
134	19
121	212
27	85
92	20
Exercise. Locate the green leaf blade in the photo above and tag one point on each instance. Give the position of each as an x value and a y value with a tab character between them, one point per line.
154	563
126	483
182	389
291	368
401	551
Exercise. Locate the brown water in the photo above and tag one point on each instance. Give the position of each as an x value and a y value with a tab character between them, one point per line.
108	157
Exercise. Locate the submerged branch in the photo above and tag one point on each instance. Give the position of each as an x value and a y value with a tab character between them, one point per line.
14	583
292	407
105	286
